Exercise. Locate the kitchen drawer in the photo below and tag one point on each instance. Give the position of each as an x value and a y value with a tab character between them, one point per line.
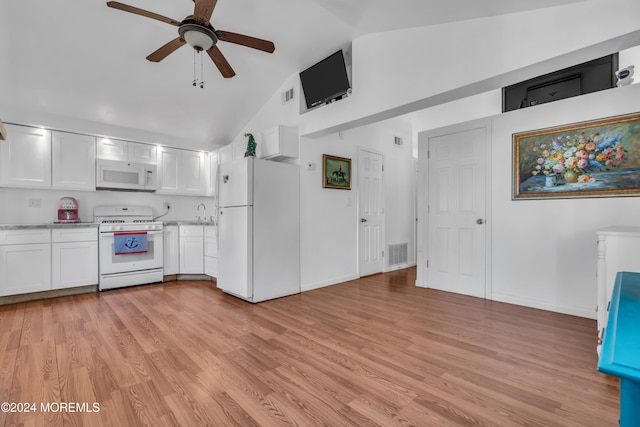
191	231
210	231
211	247
88	234
211	266
24	236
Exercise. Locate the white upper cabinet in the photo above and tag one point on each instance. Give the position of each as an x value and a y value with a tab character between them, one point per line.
279	143
74	161
193	173
142	153
182	172
225	154
168	173
25	157
126	151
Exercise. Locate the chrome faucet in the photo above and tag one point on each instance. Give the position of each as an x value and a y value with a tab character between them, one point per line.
204	218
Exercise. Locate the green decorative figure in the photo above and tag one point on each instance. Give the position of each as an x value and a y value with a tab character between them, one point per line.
251	146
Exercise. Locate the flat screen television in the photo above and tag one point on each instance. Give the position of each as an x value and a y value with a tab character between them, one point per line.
592	76
325	81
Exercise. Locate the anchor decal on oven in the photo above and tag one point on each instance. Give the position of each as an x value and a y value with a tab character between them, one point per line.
132	243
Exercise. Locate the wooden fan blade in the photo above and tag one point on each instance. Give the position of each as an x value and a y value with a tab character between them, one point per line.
247	41
221	62
142	12
165	50
203	10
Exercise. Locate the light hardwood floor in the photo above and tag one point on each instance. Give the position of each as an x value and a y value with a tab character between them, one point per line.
373	351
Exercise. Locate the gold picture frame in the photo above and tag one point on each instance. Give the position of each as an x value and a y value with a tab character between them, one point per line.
336	172
597	158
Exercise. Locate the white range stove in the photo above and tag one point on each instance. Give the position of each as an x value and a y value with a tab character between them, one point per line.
130	246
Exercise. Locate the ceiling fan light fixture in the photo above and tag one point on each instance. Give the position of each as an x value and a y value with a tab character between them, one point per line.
198	37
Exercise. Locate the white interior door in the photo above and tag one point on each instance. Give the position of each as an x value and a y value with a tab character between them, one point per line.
371	210
456	212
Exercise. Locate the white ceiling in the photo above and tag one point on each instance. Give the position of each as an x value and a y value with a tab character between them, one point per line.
85	62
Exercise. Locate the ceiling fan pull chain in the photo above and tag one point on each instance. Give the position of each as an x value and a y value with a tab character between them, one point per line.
195	82
201	73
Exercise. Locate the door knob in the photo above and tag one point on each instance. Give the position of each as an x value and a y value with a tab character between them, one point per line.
363	220
479	221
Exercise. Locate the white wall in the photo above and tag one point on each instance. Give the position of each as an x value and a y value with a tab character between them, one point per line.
329	233
398	72
14	204
544	251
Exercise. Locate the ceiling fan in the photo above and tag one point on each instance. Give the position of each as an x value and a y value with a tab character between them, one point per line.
196	31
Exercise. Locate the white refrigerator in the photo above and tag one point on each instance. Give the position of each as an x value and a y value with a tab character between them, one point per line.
258	229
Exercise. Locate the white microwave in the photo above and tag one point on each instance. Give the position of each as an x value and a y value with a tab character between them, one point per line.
115	175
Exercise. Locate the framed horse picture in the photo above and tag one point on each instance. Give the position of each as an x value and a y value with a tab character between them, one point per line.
336	172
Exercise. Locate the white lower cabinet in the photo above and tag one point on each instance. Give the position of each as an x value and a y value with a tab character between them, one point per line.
618	249
171	250
25	261
191	249
74	257
210	251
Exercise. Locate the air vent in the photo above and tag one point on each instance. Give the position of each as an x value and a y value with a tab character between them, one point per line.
397	141
398	253
287	96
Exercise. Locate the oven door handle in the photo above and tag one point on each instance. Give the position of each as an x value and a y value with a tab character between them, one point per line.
149	232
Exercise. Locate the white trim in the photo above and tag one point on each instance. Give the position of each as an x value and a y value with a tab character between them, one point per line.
386	269
573	311
325	283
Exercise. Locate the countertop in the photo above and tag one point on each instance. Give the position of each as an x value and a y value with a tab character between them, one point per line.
194	222
48	225
52	225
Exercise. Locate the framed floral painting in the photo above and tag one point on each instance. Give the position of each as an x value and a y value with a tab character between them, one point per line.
336	172
599	158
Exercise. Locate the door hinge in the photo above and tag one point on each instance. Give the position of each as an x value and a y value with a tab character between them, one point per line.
382	168
427	263
382	254
428	154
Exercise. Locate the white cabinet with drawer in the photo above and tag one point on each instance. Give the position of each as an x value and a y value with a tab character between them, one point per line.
211	251
74	257
25	261
171	250
191	249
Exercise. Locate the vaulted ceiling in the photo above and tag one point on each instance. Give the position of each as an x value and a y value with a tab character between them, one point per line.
83	63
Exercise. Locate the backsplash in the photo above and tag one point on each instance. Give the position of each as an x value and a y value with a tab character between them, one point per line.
27	206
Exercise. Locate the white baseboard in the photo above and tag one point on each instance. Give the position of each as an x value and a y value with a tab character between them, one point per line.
399	267
573	311
324	283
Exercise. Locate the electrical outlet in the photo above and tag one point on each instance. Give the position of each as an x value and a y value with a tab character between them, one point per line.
35	203
167	205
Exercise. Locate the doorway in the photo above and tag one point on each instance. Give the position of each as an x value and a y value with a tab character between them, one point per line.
370	212
455	236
